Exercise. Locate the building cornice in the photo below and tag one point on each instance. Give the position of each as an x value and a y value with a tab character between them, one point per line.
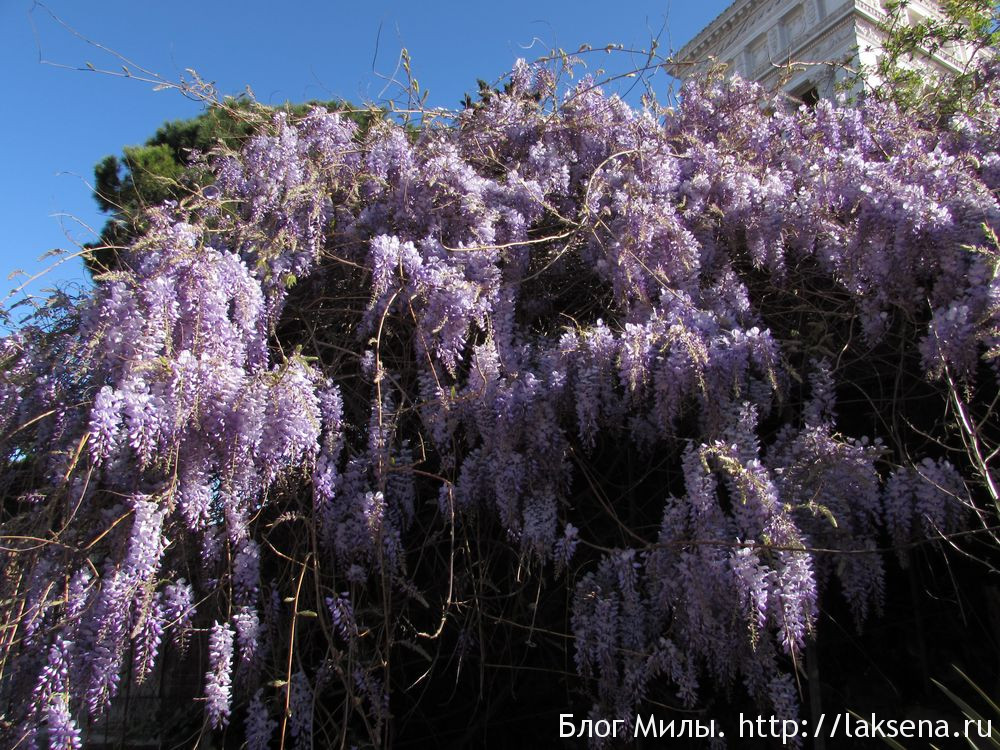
697	50
835	25
717	38
738	10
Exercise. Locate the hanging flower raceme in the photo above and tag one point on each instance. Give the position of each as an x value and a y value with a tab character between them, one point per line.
378	372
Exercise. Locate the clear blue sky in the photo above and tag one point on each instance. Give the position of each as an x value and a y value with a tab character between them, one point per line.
59	121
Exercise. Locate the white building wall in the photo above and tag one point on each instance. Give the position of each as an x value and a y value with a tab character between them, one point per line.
763	40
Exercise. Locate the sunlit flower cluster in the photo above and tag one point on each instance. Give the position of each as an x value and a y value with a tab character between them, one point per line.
362	342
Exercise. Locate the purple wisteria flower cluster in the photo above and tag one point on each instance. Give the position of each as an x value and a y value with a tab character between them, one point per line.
378	373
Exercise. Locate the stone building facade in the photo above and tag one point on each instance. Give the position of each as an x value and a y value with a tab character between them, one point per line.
806	43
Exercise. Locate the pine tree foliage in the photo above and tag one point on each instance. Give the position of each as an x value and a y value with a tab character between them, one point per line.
170	166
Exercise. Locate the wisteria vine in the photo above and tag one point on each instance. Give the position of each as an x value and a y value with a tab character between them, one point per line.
321	400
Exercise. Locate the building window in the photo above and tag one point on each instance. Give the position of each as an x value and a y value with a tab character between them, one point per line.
807	94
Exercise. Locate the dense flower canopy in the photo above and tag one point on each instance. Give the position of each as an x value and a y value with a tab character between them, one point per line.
331	408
